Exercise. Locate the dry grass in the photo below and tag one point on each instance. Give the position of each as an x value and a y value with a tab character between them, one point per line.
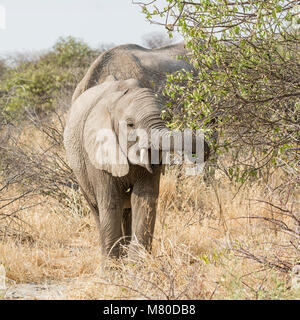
200	229
196	226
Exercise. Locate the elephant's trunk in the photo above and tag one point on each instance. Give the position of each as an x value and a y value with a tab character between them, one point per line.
175	141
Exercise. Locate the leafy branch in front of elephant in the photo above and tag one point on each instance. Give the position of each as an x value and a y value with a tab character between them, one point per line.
246	59
246	80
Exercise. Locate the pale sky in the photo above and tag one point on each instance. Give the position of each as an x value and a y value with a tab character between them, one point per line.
36	24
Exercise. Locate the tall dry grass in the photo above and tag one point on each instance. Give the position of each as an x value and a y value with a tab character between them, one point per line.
197	228
211	242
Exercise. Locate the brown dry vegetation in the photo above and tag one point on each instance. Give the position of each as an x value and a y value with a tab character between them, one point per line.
204	237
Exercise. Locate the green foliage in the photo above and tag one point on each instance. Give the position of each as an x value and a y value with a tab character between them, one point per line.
33	86
246	57
36	85
69	52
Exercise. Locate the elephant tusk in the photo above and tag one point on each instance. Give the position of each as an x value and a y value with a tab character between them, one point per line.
143	156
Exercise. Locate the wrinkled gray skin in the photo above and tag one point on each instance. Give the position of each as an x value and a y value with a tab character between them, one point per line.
123	197
148	66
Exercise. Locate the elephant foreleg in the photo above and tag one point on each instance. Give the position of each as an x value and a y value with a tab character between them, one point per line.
111	237
143	204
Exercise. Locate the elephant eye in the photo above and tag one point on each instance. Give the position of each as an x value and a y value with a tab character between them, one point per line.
130	124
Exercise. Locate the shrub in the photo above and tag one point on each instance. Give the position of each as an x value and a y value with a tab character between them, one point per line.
246	60
70	53
35	85
31	86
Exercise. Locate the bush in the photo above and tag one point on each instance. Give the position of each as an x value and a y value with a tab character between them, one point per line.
35	85
246	60
70	53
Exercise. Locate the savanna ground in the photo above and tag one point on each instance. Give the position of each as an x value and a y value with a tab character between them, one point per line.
207	245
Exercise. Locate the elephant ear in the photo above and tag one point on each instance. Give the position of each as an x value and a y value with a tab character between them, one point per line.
100	140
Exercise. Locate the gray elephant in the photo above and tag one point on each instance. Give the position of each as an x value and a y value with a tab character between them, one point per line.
122	195
149	67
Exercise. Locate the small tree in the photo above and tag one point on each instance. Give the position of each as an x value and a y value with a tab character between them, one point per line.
246	59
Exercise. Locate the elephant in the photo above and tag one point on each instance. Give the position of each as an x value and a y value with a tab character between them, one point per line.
122	197
149	67
120	87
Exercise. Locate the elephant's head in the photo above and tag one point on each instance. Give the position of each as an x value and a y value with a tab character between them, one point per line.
125	127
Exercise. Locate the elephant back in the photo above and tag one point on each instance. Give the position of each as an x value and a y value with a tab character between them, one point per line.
124	62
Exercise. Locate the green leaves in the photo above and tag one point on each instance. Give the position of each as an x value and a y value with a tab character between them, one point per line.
31	86
71	52
35	85
246	58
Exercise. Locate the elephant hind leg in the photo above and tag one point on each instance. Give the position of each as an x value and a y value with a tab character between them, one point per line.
126	225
